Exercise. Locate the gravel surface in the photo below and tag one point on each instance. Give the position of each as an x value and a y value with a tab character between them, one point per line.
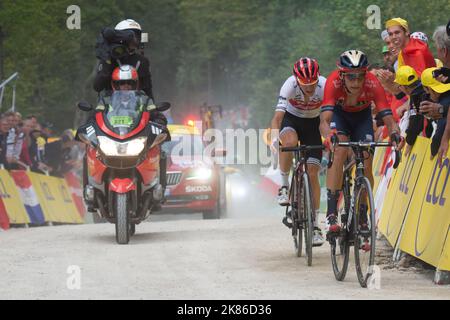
249	258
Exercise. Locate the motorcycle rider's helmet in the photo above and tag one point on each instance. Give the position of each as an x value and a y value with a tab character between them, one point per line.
124	75
306	71
352	60
130	24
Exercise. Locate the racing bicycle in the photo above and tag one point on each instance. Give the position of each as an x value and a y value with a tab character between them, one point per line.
301	208
357	216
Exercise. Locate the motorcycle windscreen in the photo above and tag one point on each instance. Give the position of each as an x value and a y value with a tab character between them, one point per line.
125	111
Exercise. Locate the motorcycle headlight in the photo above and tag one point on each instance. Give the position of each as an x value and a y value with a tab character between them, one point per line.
121	149
200	174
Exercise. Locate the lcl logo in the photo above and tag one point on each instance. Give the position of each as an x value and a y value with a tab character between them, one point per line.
431	195
407	174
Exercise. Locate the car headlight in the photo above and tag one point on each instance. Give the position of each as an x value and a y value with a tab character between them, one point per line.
121	149
200	174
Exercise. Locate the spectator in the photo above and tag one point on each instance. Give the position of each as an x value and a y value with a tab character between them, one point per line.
443	149
398	106
63	155
27	127
20	136
442	42
437	107
406	77
47	130
10	117
34	121
4	130
388	57
73	152
424	38
37	151
441	39
393	51
413	52
23	144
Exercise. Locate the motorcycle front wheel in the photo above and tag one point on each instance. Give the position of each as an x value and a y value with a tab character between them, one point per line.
122	219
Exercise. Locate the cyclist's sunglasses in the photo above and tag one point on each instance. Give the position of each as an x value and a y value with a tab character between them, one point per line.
306	84
355	76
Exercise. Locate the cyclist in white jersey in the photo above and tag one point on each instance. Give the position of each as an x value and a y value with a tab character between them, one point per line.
297	117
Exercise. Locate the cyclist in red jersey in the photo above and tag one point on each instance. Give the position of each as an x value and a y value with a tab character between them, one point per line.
346	116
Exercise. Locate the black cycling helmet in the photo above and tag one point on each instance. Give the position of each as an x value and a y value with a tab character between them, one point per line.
353	60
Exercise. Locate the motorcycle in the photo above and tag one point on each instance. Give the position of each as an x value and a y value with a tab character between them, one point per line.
121	171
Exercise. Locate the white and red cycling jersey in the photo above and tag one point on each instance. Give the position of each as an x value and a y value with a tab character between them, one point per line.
292	99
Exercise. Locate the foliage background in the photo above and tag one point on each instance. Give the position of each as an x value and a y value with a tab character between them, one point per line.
234	52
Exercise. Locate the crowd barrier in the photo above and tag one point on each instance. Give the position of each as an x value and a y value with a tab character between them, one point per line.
414	215
31	198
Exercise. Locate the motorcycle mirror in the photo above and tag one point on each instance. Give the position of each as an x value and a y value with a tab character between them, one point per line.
162	106
84	106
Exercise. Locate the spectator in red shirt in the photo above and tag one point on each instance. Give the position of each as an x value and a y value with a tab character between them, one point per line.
413	52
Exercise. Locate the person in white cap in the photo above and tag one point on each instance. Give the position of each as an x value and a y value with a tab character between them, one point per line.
392	53
419	36
102	80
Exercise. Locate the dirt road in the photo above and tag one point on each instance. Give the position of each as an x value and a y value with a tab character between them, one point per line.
251	258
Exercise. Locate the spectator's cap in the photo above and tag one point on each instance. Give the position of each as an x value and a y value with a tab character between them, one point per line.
385	50
397	22
384	35
429	81
420	36
405	76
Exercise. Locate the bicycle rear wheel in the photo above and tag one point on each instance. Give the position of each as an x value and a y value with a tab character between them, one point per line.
364	231
307	217
339	244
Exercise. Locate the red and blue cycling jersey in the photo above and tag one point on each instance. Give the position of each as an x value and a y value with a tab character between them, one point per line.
335	95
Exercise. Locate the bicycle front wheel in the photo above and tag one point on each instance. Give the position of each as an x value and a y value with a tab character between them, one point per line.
364	231
298	220
339	244
307	217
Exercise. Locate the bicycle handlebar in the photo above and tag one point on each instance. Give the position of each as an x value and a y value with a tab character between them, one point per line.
362	144
301	148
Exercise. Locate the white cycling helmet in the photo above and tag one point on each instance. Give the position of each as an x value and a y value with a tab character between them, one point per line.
128	24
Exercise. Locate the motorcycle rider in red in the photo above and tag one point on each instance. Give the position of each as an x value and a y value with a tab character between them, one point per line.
125	78
122	175
346	116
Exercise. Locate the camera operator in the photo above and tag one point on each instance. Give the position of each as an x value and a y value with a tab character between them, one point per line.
409	83
117	47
